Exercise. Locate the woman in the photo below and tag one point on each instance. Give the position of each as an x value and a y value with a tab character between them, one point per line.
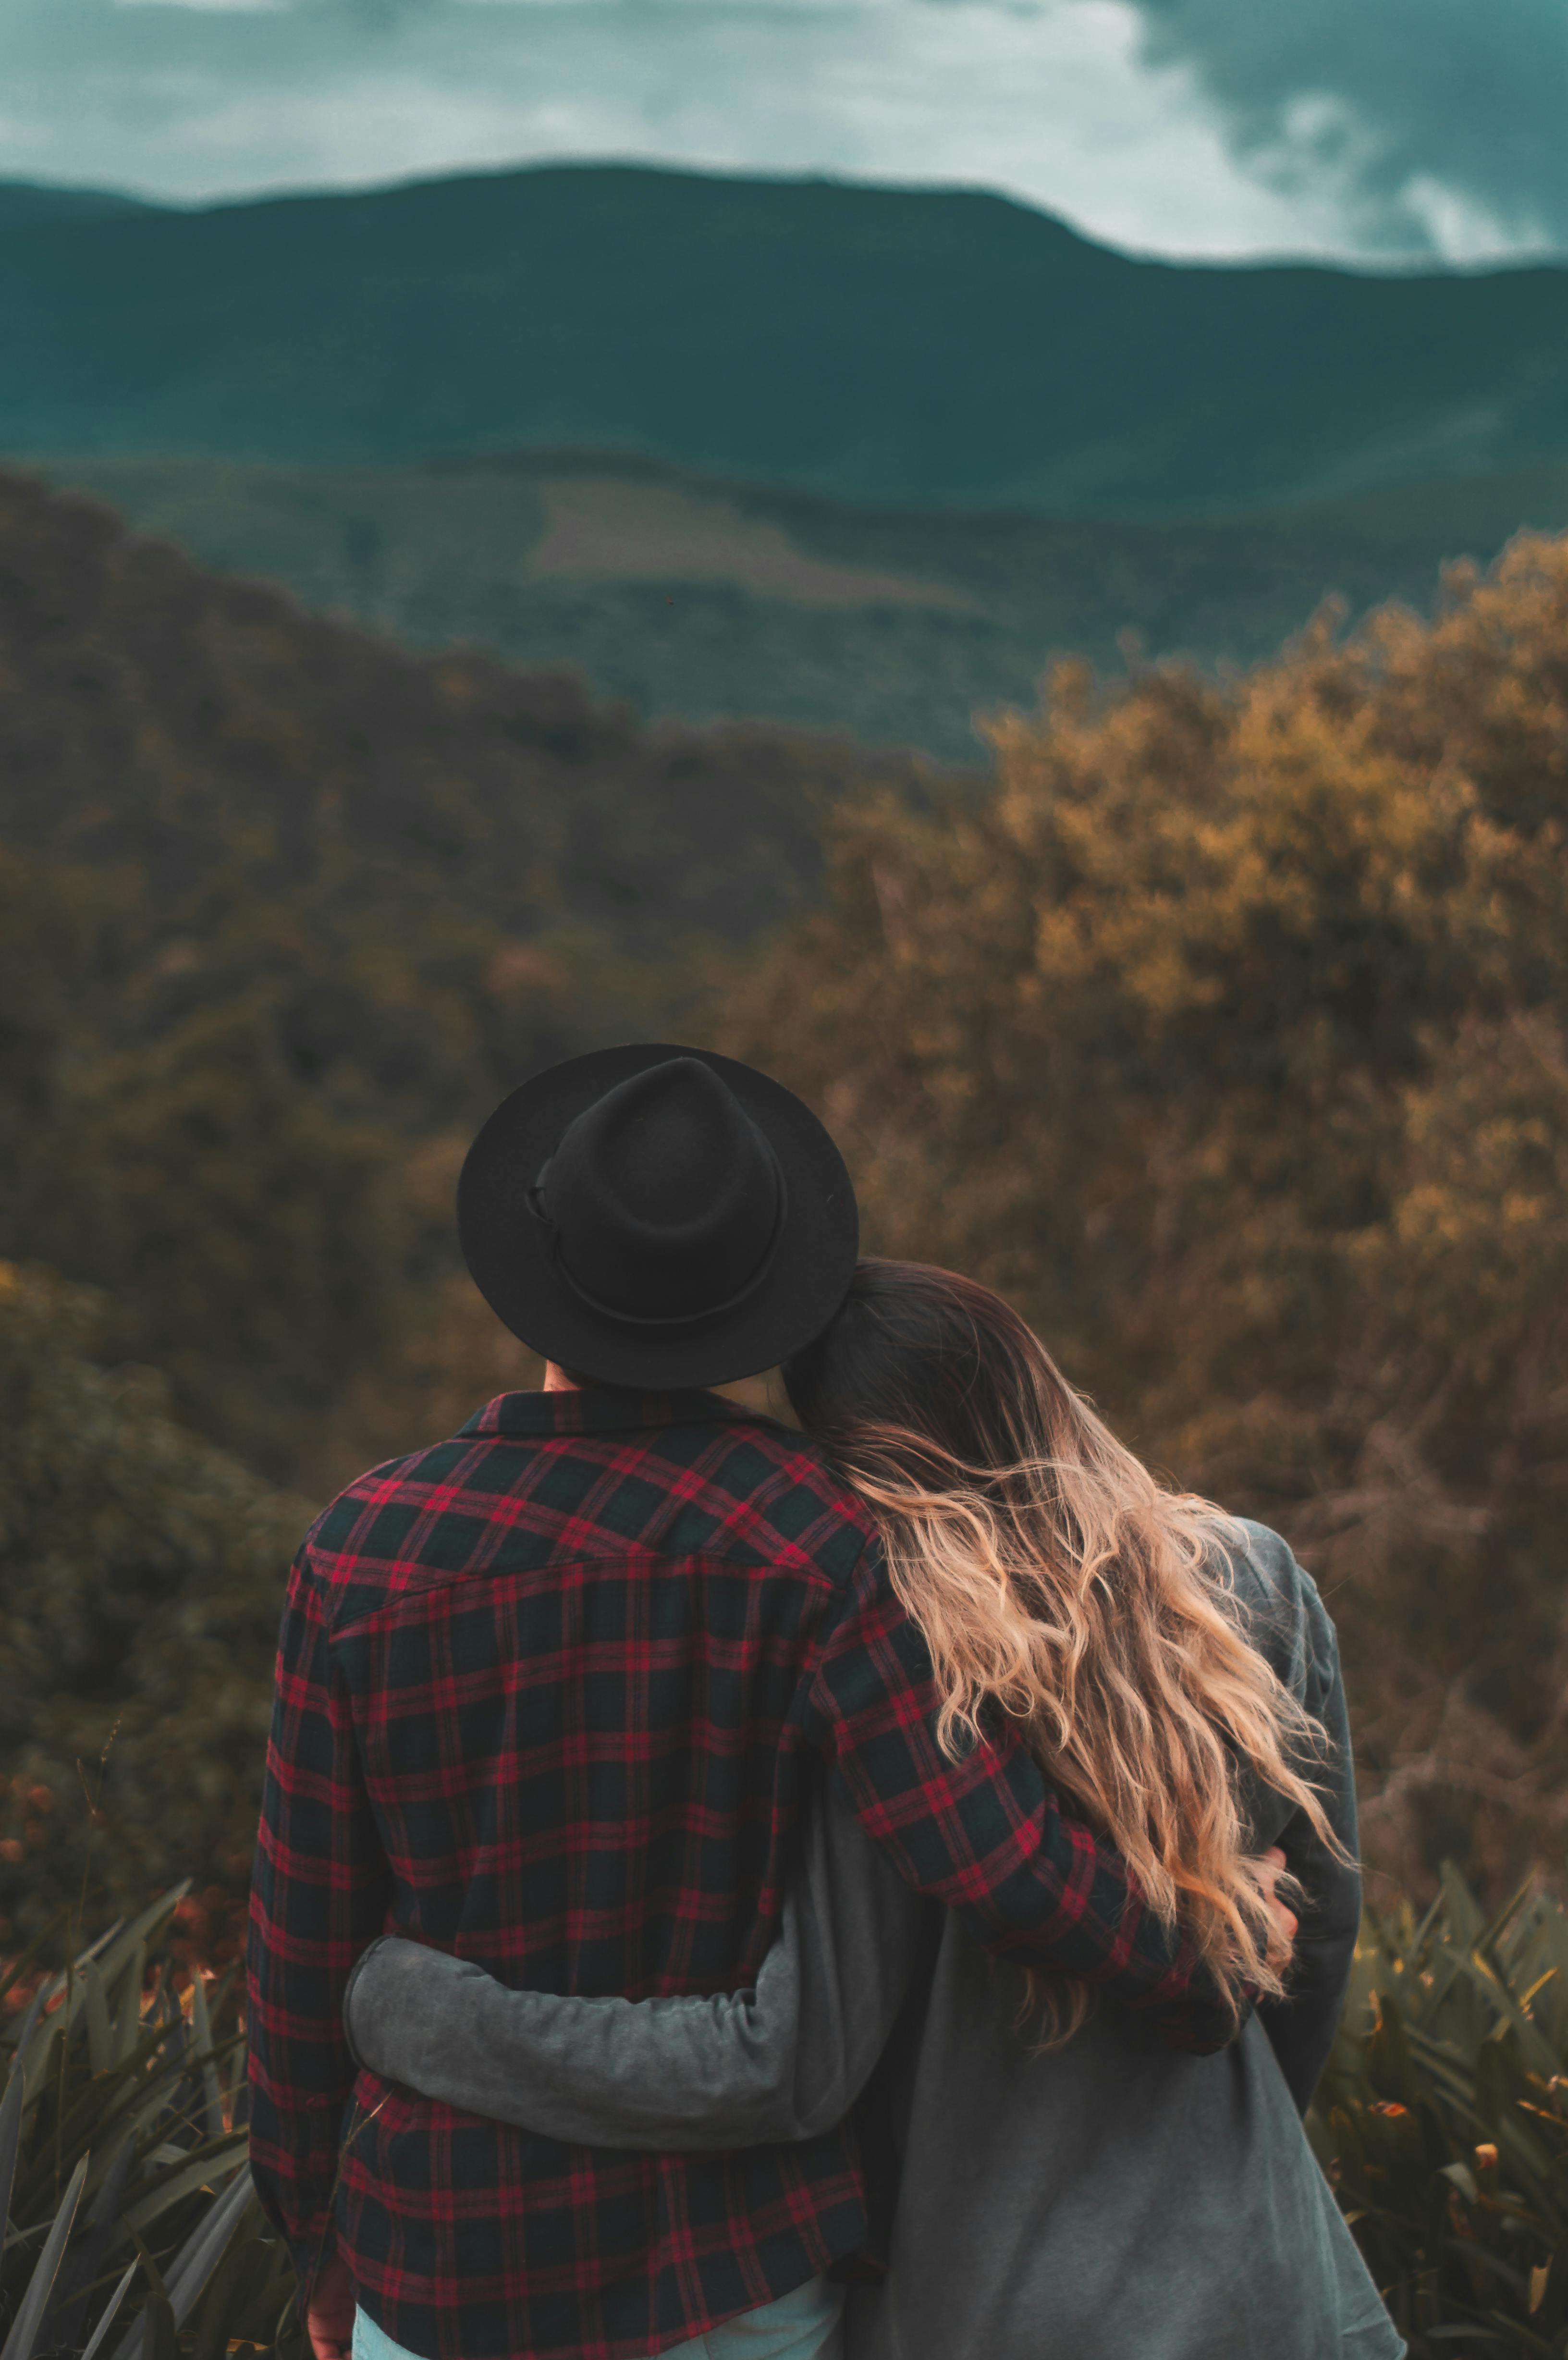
1051	2180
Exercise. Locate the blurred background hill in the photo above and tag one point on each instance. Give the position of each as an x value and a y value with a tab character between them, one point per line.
915	347
284	910
701	598
850	459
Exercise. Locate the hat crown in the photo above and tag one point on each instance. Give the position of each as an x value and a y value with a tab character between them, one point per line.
664	1198
657	1216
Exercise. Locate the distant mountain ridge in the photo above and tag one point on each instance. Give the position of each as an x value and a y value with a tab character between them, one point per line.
36	201
943	348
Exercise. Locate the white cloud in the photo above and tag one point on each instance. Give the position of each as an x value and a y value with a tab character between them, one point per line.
1058	101
216	7
1431	126
1464	229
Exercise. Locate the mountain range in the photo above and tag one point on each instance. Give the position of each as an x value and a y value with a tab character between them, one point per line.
889	347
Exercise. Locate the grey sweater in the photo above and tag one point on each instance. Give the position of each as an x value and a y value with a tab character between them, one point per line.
1112	2201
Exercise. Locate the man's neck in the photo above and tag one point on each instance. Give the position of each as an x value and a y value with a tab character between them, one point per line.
763	1393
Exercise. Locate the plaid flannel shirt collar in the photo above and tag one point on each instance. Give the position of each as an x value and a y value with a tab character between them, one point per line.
606	1409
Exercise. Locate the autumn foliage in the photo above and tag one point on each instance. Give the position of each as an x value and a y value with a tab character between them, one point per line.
1227	1038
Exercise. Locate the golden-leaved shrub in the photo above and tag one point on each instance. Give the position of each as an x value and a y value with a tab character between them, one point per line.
1227	1037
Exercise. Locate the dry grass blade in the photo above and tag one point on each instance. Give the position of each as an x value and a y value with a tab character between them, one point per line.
103	2229
18	2345
10	2136
206	2166
202	2027
111	2311
195	2262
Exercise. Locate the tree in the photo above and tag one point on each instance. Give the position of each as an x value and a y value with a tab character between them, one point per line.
141	1579
1229	1036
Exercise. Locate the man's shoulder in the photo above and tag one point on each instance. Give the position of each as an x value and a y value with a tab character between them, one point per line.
374	1521
744	1488
413	1472
756	1490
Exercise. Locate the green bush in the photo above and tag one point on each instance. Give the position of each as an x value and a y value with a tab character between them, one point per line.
1228	1038
1443	2122
141	1577
130	2227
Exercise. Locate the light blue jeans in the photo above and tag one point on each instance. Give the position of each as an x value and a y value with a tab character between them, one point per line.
800	2326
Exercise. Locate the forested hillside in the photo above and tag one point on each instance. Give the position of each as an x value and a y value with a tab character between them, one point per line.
933	347
1229	1038
283	911
699	598
141	1572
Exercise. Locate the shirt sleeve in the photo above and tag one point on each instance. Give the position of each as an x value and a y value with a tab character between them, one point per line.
984	1834
318	1895
782	2063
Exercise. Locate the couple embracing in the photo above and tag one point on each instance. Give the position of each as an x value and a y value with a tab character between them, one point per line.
770	1845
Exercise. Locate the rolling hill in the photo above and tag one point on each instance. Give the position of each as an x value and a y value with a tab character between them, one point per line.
214	746
933	348
284	909
703	599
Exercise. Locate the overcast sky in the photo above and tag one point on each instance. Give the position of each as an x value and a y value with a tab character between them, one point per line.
1426	129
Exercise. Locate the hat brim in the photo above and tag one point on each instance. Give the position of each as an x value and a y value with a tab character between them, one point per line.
507	1256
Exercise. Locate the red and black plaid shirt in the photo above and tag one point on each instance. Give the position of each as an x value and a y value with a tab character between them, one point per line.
545	1696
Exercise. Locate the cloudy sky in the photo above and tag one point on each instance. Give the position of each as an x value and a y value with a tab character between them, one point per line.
1432	129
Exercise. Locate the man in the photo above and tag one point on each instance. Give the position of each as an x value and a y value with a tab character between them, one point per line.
547	1694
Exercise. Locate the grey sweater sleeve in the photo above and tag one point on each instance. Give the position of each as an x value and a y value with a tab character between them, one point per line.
1288	1621
782	2063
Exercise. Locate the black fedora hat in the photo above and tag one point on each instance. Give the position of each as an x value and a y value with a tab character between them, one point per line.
658	1216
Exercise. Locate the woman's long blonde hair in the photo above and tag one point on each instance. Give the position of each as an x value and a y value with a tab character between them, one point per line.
1055	1582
